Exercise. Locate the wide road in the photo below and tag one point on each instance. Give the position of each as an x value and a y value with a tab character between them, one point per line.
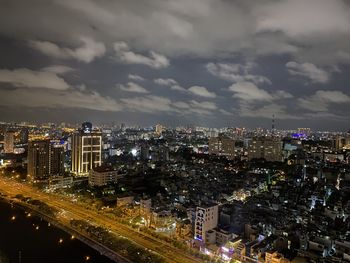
76	211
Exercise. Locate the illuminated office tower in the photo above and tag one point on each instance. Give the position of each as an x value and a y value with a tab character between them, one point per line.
45	158
86	149
222	146
9	141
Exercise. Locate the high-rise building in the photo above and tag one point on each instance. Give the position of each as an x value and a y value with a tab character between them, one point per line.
206	219
159	129
86	127
145	152
86	150
9	141
269	149
56	161
222	146
45	159
160	154
341	142
24	135
38	159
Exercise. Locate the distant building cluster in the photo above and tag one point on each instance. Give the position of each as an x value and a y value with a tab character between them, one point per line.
234	194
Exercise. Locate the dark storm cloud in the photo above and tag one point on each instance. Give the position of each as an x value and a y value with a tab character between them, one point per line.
207	62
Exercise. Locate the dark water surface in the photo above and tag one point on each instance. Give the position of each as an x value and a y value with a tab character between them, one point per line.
31	240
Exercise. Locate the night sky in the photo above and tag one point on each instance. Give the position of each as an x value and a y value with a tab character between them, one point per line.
177	62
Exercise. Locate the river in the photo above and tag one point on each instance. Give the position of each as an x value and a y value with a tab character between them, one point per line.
28	239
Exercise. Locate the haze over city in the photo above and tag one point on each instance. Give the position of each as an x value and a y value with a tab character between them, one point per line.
201	62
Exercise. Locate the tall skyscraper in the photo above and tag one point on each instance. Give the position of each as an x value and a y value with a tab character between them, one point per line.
222	146
86	150
45	158
56	161
9	141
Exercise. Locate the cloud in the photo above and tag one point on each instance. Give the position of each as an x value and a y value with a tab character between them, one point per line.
266	111
132	87
191	27
281	94
85	53
309	71
195	107
158	104
202	92
58	99
321	100
202	107
58	69
315	17
33	79
178	88
225	112
165	82
173	84
256	102
148	104
181	105
136	77
263	37
236	72
249	91
208	105
127	56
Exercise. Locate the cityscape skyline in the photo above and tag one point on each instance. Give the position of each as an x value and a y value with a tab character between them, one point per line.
175	131
206	63
13	125
185	194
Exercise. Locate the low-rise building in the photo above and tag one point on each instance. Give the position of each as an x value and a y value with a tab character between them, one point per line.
275	257
101	176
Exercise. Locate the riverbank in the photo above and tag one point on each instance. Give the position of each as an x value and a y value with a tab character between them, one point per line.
103	250
28	238
121	238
